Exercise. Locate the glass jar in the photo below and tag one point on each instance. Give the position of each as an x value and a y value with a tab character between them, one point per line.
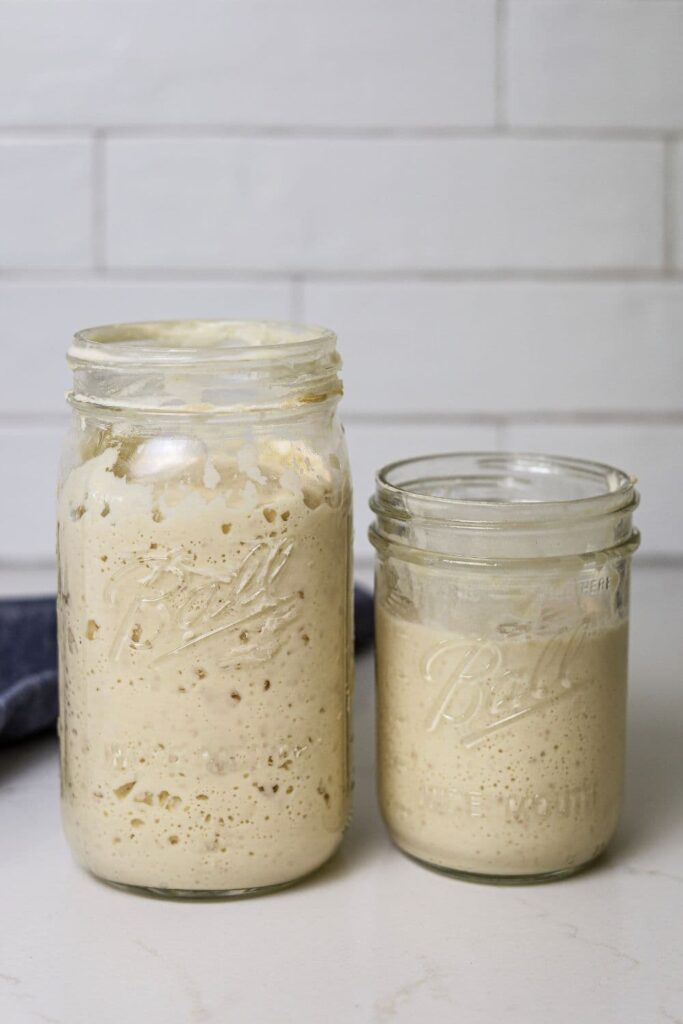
502	602
204	606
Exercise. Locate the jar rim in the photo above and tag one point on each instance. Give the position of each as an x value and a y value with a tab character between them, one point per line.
204	368
452	507
600	489
163	344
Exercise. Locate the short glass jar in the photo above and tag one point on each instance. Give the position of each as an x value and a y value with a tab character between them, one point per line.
502	603
204	606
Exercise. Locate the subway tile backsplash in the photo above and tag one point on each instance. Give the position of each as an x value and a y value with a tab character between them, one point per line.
484	198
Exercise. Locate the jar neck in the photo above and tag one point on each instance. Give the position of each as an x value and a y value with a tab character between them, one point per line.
204	368
486	507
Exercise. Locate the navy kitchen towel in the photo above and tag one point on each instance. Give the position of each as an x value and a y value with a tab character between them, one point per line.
28	661
28	667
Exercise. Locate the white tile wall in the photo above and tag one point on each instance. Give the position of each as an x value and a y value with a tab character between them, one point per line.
506	347
45	202
611	65
383	204
484	197
38	319
26	580
650	452
238	62
29	456
676	164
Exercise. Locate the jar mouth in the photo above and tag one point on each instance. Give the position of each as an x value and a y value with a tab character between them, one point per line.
162	343
502	486
204	367
503	505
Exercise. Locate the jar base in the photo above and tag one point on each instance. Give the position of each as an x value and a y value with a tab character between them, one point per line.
187	895
178	893
538	878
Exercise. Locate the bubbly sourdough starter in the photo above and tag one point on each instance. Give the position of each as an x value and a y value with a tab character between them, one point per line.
501	756
204	664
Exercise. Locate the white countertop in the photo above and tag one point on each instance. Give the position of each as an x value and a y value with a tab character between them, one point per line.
372	937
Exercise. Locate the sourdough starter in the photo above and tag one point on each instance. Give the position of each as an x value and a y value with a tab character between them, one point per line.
205	656
501	754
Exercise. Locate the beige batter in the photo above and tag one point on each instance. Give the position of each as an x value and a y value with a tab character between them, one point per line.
205	662
501	754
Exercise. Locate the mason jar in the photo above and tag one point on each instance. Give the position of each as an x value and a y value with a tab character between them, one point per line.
204	606
502	604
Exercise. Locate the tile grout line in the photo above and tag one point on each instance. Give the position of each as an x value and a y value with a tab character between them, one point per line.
401	276
154	132
501	421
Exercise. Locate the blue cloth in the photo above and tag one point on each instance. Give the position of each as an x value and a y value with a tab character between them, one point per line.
28	661
28	667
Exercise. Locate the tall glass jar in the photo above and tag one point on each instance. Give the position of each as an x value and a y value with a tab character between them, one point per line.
502	603
204	606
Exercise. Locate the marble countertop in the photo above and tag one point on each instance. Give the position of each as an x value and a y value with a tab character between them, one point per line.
372	937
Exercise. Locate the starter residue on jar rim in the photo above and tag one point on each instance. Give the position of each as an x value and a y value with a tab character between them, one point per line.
204	674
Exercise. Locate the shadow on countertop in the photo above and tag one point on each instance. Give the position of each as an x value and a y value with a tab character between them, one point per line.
653	800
